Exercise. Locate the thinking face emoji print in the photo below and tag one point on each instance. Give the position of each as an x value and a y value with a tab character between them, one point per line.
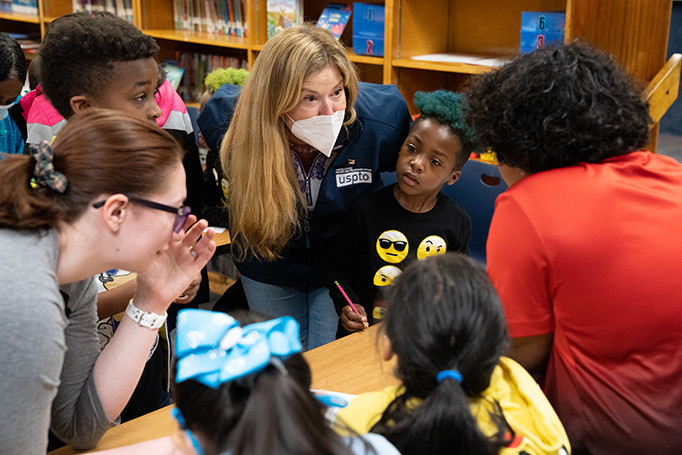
392	246
432	245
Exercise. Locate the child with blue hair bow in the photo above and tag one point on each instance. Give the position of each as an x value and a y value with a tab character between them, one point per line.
245	389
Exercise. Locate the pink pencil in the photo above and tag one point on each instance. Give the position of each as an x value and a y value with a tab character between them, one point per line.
346	296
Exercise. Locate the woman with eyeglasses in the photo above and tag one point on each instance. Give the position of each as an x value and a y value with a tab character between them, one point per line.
106	194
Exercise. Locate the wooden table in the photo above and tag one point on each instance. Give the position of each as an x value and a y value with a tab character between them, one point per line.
349	365
222	239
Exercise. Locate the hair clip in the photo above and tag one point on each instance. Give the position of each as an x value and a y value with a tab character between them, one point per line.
44	173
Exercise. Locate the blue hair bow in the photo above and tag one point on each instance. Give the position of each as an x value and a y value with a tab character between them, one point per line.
212	348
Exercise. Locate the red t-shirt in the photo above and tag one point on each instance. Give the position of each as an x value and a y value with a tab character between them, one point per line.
593	254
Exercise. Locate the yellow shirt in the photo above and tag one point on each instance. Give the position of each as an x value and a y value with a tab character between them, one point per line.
526	409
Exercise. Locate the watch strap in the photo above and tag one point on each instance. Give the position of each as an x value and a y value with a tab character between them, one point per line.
145	318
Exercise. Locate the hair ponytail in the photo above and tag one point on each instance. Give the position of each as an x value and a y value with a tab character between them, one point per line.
442	423
444	314
21	205
282	418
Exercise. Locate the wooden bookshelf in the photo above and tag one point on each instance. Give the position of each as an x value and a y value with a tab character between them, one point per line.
13	17
634	31
200	38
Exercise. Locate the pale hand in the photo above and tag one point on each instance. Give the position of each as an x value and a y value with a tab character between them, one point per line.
174	268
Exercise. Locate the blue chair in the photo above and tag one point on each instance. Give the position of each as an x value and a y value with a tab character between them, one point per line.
476	191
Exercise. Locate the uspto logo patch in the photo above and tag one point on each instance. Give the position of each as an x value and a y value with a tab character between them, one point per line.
350	176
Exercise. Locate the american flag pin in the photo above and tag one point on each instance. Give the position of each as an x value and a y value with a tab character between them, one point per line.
351	162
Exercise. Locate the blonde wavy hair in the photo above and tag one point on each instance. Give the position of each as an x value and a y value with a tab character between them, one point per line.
265	202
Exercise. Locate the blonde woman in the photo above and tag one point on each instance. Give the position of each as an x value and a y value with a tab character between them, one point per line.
305	139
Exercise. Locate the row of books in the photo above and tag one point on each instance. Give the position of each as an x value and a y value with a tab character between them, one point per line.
188	71
228	17
122	8
29	42
222	17
28	7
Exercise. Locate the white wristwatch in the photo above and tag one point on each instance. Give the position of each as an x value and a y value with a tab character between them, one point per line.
145	318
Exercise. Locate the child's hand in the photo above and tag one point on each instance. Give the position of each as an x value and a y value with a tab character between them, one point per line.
351	321
191	291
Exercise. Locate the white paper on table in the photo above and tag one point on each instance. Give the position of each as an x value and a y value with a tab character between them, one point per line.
333	400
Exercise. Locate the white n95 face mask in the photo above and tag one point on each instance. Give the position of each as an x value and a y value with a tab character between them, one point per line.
320	131
5	108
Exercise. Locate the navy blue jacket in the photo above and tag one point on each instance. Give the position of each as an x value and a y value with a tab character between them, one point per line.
371	146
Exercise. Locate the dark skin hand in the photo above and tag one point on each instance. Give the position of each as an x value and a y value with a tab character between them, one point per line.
352	321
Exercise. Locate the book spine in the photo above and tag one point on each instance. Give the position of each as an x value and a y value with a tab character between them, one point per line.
208	17
245	22
177	14
230	23
128	10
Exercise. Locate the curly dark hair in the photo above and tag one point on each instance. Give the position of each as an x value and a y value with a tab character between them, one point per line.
558	106
449	109
79	52
12	60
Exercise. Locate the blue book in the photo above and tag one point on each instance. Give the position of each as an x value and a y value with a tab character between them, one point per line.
334	18
174	72
28	7
540	29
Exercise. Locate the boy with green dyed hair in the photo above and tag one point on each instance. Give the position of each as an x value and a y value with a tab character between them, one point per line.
407	221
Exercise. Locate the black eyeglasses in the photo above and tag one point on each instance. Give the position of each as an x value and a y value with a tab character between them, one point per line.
181	213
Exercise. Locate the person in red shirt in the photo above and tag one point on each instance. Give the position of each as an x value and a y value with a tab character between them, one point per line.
584	247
